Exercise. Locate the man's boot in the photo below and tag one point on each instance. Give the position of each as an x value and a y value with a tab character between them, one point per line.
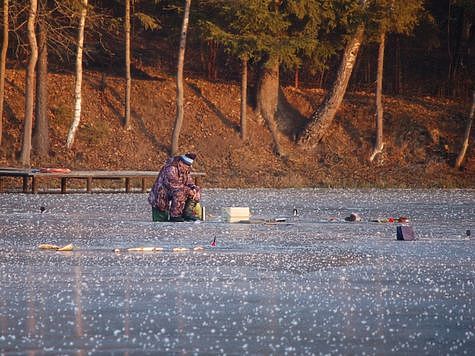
189	210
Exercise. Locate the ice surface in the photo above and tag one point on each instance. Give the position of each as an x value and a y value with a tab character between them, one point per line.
314	284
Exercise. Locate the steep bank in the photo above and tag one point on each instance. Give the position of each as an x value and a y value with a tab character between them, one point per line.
422	135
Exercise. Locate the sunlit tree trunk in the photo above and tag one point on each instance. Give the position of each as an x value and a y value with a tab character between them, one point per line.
77	90
268	98
128	78
41	127
179	81
379	144
468	128
321	80
3	62
29	85
323	117
244	99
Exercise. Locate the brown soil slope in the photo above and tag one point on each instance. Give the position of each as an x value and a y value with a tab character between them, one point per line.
422	135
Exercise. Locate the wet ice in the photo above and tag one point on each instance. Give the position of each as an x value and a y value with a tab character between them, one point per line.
314	284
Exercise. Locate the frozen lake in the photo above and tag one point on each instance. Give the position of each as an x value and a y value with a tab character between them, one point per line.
314	284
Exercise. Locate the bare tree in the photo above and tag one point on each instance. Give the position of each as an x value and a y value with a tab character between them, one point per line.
40	128
398	16
77	90
3	61
323	117
179	80
128	78
379	144
29	85
468	128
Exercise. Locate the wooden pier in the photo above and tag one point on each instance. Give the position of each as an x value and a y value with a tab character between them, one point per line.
36	177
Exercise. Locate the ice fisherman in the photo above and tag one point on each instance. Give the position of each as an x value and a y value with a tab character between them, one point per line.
174	191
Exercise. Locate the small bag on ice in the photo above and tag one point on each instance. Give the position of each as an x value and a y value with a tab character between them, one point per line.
405	233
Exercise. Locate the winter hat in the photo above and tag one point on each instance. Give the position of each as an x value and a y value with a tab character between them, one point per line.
188	158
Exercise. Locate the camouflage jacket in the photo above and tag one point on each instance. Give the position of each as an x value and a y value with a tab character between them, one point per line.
173	178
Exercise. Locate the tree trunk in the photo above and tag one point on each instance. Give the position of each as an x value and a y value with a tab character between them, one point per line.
211	62
379	144
461	50
128	78
77	90
368	72
268	98
179	81
323	117
41	127
321	80
29	85
244	99
463	150
449	49
3	62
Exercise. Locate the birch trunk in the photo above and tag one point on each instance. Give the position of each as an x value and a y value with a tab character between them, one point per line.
379	144
179	81
29	85
468	128
77	89
3	62
323	117
41	127
128	78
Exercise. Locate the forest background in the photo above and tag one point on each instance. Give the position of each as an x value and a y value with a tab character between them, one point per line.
268	93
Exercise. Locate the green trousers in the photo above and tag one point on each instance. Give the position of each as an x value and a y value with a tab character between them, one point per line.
158	215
